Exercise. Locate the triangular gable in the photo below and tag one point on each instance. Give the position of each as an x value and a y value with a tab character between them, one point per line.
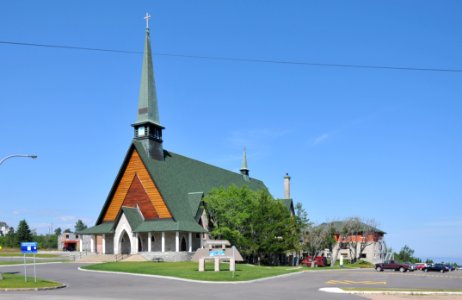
137	196
134	168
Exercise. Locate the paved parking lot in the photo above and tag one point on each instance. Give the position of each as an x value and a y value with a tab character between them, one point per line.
89	285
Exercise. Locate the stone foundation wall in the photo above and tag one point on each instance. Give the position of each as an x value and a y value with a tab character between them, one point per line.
167	256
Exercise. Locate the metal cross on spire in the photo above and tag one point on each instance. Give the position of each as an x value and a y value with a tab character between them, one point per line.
147	17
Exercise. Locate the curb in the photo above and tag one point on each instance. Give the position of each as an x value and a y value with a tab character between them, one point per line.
31	264
316	270
33	289
422	293
193	280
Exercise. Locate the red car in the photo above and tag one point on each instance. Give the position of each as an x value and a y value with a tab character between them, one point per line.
420	266
319	261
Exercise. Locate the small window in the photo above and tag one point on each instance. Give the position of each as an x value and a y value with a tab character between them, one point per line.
363	255
153	239
76	236
67	236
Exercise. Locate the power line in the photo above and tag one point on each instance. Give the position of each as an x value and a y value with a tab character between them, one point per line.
236	59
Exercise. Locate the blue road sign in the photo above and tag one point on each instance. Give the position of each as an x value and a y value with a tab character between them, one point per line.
217	253
29	247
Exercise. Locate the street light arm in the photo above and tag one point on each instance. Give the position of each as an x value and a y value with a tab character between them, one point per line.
33	156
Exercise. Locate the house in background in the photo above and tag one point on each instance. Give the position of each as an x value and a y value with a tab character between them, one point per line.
69	241
368	241
4	228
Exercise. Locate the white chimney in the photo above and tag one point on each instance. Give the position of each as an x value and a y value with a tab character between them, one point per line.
287	186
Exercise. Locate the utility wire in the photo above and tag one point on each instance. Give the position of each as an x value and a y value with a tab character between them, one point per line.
236	59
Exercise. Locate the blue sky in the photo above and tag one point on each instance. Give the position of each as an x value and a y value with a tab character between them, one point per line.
380	144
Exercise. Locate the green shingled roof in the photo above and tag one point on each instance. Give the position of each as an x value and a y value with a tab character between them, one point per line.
195	200
169	225
181	181
287	203
107	227
133	216
177	176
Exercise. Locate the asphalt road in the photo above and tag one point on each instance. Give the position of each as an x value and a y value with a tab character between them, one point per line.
89	285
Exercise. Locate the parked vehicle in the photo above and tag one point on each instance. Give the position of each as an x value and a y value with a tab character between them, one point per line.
319	261
435	268
412	266
450	267
420	266
393	265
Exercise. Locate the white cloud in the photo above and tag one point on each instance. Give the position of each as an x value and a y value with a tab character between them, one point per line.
321	139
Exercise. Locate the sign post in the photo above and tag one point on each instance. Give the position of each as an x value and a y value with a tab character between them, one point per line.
1	275
29	248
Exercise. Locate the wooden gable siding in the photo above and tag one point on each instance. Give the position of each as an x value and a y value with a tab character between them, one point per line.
136	195
135	167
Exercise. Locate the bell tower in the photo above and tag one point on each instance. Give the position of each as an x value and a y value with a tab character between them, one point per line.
147	127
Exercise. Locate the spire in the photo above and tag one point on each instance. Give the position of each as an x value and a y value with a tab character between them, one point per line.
147	102
148	129
244	168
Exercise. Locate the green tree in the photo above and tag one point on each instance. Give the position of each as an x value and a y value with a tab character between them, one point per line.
259	226
58	231
67	230
80	226
230	212
10	239
23	233
47	241
273	229
406	254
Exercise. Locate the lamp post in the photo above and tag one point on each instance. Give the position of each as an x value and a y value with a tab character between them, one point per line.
33	156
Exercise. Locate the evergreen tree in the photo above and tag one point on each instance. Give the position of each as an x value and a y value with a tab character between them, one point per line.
406	254
67	230
23	233
80	226
10	239
58	231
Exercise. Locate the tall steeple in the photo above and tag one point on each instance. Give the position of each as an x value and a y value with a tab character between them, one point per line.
147	126
244	168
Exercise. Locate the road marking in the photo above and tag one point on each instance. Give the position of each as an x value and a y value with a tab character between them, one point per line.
367	282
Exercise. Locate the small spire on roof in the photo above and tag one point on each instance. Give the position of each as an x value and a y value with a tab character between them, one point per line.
244	168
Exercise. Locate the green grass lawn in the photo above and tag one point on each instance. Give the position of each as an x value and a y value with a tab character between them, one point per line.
17	281
189	270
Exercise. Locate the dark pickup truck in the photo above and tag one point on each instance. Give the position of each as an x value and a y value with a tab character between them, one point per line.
393	265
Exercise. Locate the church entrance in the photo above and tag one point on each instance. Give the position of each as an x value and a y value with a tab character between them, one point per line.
125	246
183	244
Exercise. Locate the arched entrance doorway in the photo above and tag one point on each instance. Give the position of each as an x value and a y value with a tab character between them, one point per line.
125	245
183	244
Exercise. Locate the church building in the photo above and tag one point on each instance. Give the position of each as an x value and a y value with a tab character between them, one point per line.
155	204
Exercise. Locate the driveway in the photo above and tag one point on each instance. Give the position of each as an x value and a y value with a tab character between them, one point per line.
90	285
